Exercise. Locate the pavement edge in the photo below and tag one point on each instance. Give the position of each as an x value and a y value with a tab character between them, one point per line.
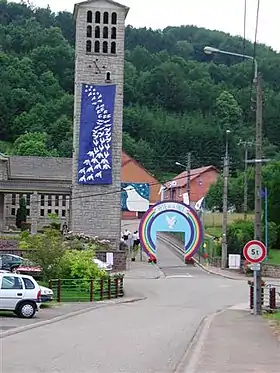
197	264
67	316
192	355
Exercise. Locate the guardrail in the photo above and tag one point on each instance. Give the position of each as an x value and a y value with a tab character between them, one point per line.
270	296
70	290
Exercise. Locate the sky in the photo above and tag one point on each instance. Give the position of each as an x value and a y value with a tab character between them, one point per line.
222	15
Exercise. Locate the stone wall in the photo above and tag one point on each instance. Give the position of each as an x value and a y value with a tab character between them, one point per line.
271	270
119	259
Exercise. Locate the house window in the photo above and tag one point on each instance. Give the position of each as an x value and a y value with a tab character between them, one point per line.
89	16
97	32
89	31
113	47
27	212
28	199
63	213
14	199
97	47
108	76
42	200
97	17
56	212
49	200
88	46
105	47
105	32
42	212
57	200
106	18
13	211
113	33
49	211
64	201
114	18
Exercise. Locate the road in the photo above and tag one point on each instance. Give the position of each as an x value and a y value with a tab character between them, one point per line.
149	336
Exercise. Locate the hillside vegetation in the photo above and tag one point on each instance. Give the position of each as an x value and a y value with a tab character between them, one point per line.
177	99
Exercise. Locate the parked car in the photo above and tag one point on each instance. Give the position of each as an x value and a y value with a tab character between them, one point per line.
9	261
20	294
46	294
102	265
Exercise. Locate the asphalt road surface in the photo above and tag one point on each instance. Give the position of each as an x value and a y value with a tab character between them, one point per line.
149	336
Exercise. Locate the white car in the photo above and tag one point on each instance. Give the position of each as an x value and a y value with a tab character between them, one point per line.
20	294
102	265
46	294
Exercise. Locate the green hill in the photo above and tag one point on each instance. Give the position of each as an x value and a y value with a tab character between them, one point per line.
177	99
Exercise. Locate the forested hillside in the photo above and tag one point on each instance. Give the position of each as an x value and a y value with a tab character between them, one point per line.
177	99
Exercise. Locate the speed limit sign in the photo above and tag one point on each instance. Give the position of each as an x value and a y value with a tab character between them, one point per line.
254	251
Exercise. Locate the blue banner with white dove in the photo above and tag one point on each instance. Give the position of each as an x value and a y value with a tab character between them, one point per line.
96	127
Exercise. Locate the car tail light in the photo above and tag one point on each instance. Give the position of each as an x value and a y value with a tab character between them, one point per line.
39	296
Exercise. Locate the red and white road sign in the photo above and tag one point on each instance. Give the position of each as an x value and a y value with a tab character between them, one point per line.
254	251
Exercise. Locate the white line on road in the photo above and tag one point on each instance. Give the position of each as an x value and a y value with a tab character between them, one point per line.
179	276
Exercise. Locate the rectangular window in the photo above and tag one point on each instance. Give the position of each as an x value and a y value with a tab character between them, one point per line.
57	212
49	211
13	211
27	199
42	212
49	200
27	212
63	201
14	199
63	213
57	200
42	200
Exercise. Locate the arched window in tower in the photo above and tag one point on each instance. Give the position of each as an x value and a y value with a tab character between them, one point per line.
89	16
113	33
88	46
108	76
105	47
106	18
105	32
97	32
113	47
97	17
97	47
89	31
114	18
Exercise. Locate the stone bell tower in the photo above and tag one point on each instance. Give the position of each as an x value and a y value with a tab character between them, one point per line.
98	118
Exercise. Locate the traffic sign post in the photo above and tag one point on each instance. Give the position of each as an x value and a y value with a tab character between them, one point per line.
255	252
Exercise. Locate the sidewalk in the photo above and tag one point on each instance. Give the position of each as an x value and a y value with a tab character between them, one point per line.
238	342
142	270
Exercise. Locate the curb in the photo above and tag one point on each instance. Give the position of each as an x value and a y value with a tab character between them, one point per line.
216	273
192	356
67	316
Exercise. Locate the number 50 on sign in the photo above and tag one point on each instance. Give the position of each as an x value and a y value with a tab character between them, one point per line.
254	251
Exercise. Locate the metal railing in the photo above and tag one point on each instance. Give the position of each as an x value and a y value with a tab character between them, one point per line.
270	296
83	290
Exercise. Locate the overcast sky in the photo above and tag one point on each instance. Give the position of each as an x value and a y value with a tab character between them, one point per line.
223	15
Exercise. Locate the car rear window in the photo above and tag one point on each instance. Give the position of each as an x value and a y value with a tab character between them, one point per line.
28	284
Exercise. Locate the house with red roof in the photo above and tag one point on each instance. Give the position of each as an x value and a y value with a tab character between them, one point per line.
200	181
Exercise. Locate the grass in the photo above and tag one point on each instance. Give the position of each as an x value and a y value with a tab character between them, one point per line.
274	257
215	219
214	231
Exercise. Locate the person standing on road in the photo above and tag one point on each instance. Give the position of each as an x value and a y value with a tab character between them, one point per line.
126	235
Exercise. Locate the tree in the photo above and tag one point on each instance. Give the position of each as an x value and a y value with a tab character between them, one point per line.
21	213
33	144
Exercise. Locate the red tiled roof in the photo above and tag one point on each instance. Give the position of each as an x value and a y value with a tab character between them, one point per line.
181	179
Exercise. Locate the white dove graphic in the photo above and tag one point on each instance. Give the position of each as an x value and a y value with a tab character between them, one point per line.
171	221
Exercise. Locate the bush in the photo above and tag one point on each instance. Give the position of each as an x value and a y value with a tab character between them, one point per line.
242	231
46	250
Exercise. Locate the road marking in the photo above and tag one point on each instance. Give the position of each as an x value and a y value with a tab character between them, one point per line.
180	276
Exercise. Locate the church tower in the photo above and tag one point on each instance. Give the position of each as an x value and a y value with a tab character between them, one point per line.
98	117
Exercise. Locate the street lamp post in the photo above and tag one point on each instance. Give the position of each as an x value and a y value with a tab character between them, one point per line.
258	158
225	204
188	174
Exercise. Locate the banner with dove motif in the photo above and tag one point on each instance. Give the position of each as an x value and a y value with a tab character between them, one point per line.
96	127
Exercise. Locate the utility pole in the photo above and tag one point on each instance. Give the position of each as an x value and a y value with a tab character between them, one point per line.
246	145
258	186
225	204
188	185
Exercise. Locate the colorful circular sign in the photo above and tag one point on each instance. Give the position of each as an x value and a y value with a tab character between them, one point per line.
170	217
254	251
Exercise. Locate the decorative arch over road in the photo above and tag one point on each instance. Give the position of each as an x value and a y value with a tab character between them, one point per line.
170	217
